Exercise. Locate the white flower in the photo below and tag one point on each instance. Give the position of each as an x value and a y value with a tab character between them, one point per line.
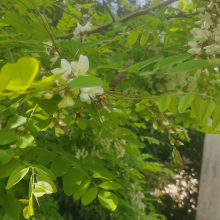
201	10
81	29
86	93
62	123
200	35
206	20
194	50
193	44
216	31
81	67
65	68
66	102
212	49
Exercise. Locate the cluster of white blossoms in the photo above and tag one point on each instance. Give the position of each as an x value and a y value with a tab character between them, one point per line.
136	197
80	29
206	38
120	151
161	82
69	71
81	153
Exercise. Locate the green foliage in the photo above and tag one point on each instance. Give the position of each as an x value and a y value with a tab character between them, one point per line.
60	120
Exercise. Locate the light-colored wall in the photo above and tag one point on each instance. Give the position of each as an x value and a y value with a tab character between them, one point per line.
209	190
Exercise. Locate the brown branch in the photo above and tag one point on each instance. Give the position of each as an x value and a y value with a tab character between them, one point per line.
109	11
183	15
124	19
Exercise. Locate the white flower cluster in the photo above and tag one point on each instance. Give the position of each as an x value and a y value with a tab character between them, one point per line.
120	151
136	198
68	72
171	83
81	29
81	153
206	38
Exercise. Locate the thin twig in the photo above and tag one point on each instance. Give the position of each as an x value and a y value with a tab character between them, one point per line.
10	54
109	11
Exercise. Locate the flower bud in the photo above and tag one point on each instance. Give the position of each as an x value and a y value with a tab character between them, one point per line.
167	113
62	123
165	121
171	131
22	128
48	95
172	141
75	91
200	10
178	142
211	5
206	72
58	130
198	72
155	124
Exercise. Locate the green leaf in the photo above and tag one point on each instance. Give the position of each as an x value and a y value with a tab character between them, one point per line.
5	156
164	103
16	176
21	73
25	141
9	168
89	196
48	189
189	66
38	192
108	200
60	166
132	140
7	136
196	106
103	174
82	188
46	81
155	40
144	39
24	201
216	119
132	38
44	178
3	83
208	107
185	102
110	185
12	206
142	64
72	180
155	2
85	81
44	55
171	60
43	170
16	121
81	125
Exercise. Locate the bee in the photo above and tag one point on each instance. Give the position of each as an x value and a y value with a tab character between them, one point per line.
100	102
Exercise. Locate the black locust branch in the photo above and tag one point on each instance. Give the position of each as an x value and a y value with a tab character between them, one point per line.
124	19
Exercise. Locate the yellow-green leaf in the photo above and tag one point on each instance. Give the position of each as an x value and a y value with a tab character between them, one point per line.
46	81
89	196
155	40
185	102
21	73
164	103
108	200
132	38
110	185
82	188
196	107
155	2
144	39
208	107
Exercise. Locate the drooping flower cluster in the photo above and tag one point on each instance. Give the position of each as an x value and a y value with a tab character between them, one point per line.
69	71
80	29
206	39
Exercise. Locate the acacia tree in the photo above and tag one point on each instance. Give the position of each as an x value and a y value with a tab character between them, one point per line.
157	68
